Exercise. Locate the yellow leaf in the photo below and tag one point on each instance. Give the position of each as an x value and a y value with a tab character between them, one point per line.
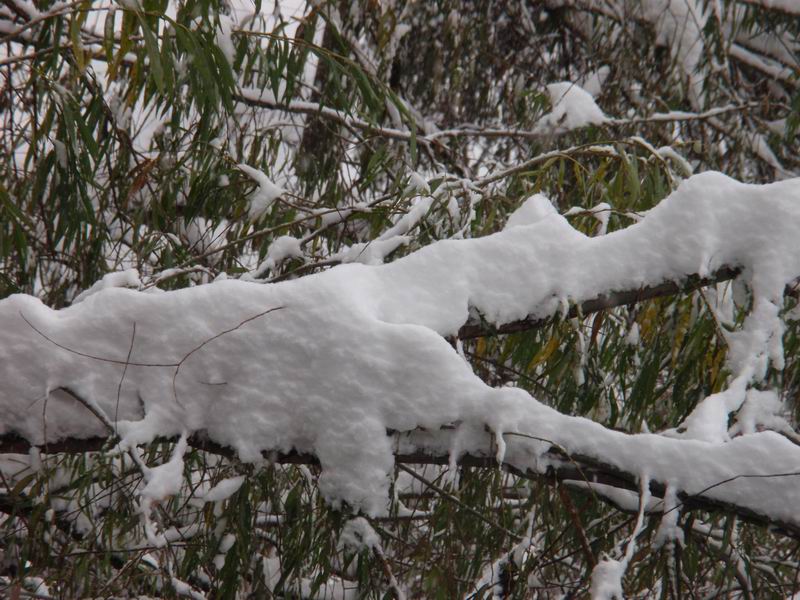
647	320
680	333
545	352
480	347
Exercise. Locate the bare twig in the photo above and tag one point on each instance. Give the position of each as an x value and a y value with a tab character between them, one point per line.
211	339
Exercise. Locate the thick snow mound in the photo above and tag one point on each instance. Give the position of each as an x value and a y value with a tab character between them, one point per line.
330	362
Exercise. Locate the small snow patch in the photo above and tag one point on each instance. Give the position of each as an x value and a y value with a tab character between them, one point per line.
573	107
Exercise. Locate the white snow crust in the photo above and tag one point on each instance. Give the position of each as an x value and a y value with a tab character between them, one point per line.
281	248
607	580
533	210
328	362
262	198
573	107
126	278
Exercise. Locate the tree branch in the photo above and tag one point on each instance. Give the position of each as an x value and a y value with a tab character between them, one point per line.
603	302
561	466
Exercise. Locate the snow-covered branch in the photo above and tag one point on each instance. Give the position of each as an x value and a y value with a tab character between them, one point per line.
606	301
598	479
287	242
357	350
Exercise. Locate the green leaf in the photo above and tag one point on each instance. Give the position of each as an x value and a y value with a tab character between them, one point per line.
77	46
109	30
153	54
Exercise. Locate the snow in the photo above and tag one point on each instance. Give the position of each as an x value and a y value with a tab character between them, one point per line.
419	208
371	253
184	589
607	580
669	152
127	278
61	153
130	4
771	67
332	589
760	409
669	529
223	38
417	184
224	489
632	339
600	211
679	26
225	544
624	499
328	363
608	573
281	248
760	147
490	576
357	534
790	6
163	481
594	81
573	107
200	235
532	210
262	198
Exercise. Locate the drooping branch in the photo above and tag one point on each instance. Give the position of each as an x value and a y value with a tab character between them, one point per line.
562	467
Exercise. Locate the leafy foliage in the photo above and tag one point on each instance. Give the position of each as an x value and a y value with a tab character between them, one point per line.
123	130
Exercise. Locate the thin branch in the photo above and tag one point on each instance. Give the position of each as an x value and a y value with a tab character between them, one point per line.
466	131
211	339
91	407
124	372
126	363
576	521
257	99
604	302
447	495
